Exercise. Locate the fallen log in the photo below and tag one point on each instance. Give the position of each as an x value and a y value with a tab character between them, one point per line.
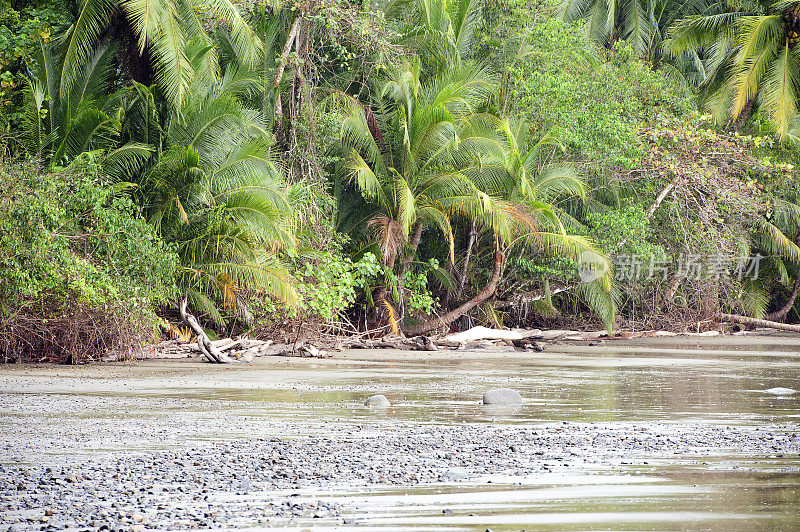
212	353
481	333
754	322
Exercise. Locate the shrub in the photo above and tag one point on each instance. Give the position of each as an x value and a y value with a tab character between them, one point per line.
80	270
594	107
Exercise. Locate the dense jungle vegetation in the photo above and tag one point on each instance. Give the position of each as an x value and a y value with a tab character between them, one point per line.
340	166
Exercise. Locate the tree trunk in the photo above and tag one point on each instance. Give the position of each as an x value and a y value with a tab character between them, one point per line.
744	320
445	320
203	343
744	115
780	314
279	68
414	243
473	235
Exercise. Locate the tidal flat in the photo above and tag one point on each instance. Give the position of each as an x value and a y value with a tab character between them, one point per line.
652	433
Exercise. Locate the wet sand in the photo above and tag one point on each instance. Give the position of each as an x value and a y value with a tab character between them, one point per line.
658	433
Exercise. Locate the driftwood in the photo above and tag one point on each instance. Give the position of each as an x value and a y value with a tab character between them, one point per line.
242	350
744	320
482	333
224	351
211	352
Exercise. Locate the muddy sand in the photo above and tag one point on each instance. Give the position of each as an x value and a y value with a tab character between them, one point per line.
661	433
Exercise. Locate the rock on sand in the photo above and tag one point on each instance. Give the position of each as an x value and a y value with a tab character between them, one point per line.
377	401
502	396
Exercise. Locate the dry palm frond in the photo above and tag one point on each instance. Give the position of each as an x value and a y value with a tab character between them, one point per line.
391	315
390	236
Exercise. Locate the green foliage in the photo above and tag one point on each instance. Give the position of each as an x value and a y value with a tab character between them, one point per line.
332	283
594	108
22	24
420	301
624	230
69	243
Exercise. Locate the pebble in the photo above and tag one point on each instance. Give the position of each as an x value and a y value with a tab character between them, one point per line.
191	487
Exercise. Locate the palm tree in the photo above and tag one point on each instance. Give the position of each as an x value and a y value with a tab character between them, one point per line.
508	163
152	35
609	21
776	239
644	24
400	160
442	32
755	56
429	156
217	193
61	123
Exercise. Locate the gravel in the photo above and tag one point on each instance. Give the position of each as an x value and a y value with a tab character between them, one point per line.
243	483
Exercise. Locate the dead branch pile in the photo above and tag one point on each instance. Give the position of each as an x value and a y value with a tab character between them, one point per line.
73	335
232	350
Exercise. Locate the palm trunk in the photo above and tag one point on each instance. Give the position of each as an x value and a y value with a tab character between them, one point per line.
473	235
488	291
744	115
753	322
780	314
414	243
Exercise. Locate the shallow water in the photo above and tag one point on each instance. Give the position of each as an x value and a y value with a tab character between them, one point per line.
77	413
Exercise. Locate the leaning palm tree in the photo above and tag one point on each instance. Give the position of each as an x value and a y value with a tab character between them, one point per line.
429	156
152	35
756	56
508	163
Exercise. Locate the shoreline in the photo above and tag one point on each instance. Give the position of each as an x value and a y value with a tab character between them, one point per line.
287	441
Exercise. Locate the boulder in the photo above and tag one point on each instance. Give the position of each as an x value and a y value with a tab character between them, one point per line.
377	401
502	396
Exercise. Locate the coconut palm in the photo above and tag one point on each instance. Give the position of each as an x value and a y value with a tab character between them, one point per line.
442	32
644	25
609	21
508	163
217	192
152	35
400	160
61	123
776	241
429	156
755	57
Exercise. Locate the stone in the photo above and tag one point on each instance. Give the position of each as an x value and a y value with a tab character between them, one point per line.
454	474
502	396
780	391
377	401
